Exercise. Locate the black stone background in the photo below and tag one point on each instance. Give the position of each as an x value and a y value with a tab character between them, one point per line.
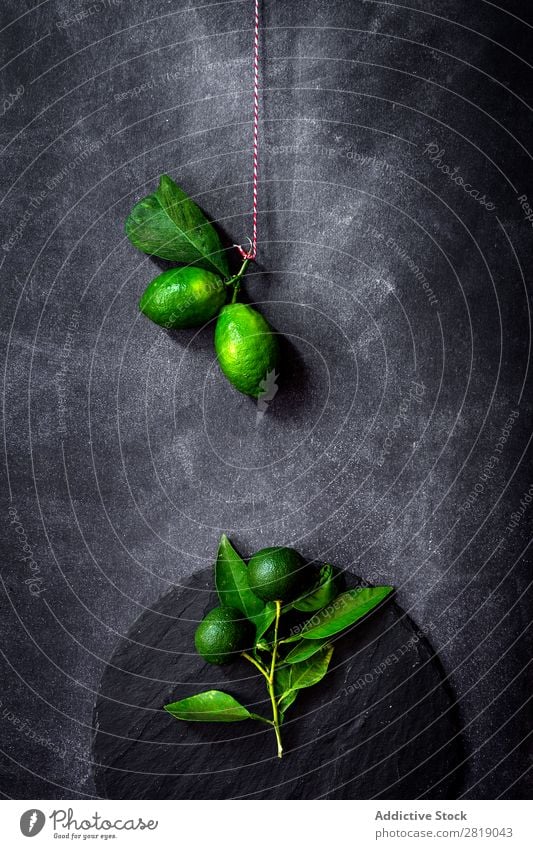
382	724
125	494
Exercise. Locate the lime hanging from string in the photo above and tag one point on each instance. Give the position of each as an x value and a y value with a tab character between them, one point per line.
246	348
183	297
170	225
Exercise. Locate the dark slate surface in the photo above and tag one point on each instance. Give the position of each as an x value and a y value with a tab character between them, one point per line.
382	724
126	454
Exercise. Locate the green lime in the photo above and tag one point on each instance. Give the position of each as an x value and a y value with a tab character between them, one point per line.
277	574
183	297
222	634
246	347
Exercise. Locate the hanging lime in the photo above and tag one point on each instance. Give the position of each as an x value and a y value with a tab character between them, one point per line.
246	347
183	297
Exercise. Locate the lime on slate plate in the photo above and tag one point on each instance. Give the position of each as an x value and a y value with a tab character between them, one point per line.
246	347
221	634
183	297
276	574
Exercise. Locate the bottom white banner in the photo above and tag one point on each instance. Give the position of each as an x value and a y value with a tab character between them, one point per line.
266	825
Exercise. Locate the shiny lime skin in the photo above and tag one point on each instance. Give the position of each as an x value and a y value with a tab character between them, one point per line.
222	635
183	297
246	347
276	574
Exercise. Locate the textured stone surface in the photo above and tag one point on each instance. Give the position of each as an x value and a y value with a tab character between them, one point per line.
393	734
127	454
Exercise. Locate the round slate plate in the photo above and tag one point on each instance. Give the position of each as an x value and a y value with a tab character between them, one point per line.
381	724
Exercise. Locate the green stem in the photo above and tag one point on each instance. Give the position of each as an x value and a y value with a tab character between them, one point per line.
256	663
275	714
236	280
275	643
269	676
262	718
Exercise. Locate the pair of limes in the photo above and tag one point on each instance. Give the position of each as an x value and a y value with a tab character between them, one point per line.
245	345
273	574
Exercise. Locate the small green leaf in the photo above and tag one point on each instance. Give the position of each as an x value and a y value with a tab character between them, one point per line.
264	620
211	706
323	592
231	581
286	701
310	671
282	689
346	609
304	649
291	679
170	225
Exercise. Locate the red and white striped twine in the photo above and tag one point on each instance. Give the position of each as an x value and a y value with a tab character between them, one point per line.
252	253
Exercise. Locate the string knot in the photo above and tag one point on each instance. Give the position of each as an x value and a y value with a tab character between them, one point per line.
249	254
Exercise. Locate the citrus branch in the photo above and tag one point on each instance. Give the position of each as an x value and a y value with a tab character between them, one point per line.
256	663
236	280
275	714
269	675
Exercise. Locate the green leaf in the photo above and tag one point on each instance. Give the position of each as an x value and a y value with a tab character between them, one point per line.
211	706
169	224
304	649
346	609
286	701
282	689
291	679
264	620
231	581
310	671
323	592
